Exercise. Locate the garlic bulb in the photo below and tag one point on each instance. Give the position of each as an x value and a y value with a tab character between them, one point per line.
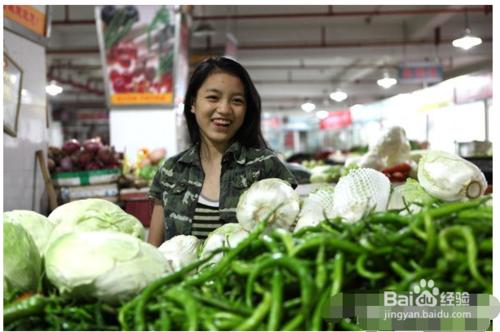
262	198
359	192
450	177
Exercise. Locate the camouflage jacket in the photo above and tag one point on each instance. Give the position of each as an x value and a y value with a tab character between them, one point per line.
178	182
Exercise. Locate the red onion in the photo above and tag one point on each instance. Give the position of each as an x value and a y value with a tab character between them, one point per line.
92	144
71	146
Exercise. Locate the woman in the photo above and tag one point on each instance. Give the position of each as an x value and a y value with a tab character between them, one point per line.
197	190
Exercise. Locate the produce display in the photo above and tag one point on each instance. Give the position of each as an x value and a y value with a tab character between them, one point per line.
91	155
274	270
390	153
141	173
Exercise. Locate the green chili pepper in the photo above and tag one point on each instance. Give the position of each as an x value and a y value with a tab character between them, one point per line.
258	314
277	301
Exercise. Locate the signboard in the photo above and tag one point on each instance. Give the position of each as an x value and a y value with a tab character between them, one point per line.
336	120
31	22
137	46
473	88
424	73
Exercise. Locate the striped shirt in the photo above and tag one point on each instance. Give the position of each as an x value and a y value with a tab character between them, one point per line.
206	218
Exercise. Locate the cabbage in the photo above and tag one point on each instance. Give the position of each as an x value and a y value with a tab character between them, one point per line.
450	177
262	198
91	215
37	225
181	250
104	265
21	260
411	195
360	192
225	236
317	205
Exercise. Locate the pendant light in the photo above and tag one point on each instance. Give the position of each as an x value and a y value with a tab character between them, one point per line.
467	41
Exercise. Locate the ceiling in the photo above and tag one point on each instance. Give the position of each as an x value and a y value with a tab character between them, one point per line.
295	52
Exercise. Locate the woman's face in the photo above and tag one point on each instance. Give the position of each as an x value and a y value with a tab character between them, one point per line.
219	108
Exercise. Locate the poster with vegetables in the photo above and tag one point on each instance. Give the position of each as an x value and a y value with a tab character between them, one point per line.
138	48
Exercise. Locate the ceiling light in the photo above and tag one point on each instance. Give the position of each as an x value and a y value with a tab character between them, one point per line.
204	29
338	95
308	106
468	41
322	114
386	82
53	89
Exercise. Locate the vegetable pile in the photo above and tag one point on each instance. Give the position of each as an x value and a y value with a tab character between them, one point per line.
91	155
268	272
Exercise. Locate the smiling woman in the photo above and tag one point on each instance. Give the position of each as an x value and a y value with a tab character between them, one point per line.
227	154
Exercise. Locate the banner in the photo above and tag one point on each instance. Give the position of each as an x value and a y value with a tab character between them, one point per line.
138	48
31	22
336	120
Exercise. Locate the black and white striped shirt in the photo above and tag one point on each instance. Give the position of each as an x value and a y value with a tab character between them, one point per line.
206	218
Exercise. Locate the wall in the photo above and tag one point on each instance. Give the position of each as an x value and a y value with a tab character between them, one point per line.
23	185
131	130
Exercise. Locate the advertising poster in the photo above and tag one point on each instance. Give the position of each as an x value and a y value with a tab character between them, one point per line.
137	46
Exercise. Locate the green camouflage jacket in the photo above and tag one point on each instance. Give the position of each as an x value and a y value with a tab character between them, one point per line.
179	180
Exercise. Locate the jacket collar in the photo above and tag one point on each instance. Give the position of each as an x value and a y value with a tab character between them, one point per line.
235	151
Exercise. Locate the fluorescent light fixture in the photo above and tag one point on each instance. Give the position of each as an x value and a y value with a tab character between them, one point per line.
357	107
386	82
468	41
338	95
308	106
322	114
204	29
53	89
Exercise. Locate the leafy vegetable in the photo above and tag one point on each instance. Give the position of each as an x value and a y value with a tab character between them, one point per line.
262	198
37	225
180	250
360	192
21	260
450	177
226	236
107	266
91	215
411	195
317	206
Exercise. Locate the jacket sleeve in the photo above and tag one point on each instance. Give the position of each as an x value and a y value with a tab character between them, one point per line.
157	188
279	170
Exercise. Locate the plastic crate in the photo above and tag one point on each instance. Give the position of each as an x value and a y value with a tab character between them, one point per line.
137	204
84	178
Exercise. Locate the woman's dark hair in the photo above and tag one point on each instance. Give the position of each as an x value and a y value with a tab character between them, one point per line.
249	134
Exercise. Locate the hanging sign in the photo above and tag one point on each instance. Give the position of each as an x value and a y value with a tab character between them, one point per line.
473	88
31	22
336	120
138	47
424	73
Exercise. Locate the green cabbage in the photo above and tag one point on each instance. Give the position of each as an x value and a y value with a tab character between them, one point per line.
227	235
317	205
180	250
91	215
104	265
21	260
411	195
268	196
449	177
37	225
